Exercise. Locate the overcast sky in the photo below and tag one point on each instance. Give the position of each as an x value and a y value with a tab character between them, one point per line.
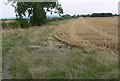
72	7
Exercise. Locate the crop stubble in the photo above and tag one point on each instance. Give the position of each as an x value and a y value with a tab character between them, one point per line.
90	33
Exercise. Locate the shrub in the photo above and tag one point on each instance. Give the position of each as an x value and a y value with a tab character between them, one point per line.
61	18
55	19
23	23
7	25
14	24
4	24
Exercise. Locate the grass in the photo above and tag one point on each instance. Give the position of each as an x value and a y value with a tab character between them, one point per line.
36	54
10	46
0	54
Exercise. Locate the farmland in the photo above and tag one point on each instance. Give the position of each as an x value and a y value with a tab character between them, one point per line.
78	48
100	33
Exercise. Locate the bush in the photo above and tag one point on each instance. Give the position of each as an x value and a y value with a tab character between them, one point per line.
61	18
19	23
23	23
4	24
14	24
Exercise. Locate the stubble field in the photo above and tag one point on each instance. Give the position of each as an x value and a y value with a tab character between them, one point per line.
90	33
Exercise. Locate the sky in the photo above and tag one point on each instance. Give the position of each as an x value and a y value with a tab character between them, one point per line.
72	7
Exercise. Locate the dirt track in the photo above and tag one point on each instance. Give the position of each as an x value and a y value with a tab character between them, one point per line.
90	33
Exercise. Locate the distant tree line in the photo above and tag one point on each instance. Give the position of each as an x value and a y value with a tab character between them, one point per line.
67	16
100	15
23	23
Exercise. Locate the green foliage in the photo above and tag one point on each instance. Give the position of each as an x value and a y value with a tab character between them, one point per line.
99	15
115	14
37	11
66	16
61	18
74	16
78	15
13	25
4	24
20	70
85	15
23	23
39	15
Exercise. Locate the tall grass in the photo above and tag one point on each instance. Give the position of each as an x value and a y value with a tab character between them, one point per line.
36	54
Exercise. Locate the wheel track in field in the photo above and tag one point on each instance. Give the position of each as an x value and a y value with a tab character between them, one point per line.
98	31
71	34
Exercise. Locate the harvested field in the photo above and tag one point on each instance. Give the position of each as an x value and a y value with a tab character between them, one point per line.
90	33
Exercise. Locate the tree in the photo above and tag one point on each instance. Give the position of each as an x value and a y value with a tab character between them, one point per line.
66	16
115	14
36	11
101	15
74	16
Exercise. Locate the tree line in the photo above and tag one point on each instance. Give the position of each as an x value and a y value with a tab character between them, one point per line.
37	13
100	15
90	15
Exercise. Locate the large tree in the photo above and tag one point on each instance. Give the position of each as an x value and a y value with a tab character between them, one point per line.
36	11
